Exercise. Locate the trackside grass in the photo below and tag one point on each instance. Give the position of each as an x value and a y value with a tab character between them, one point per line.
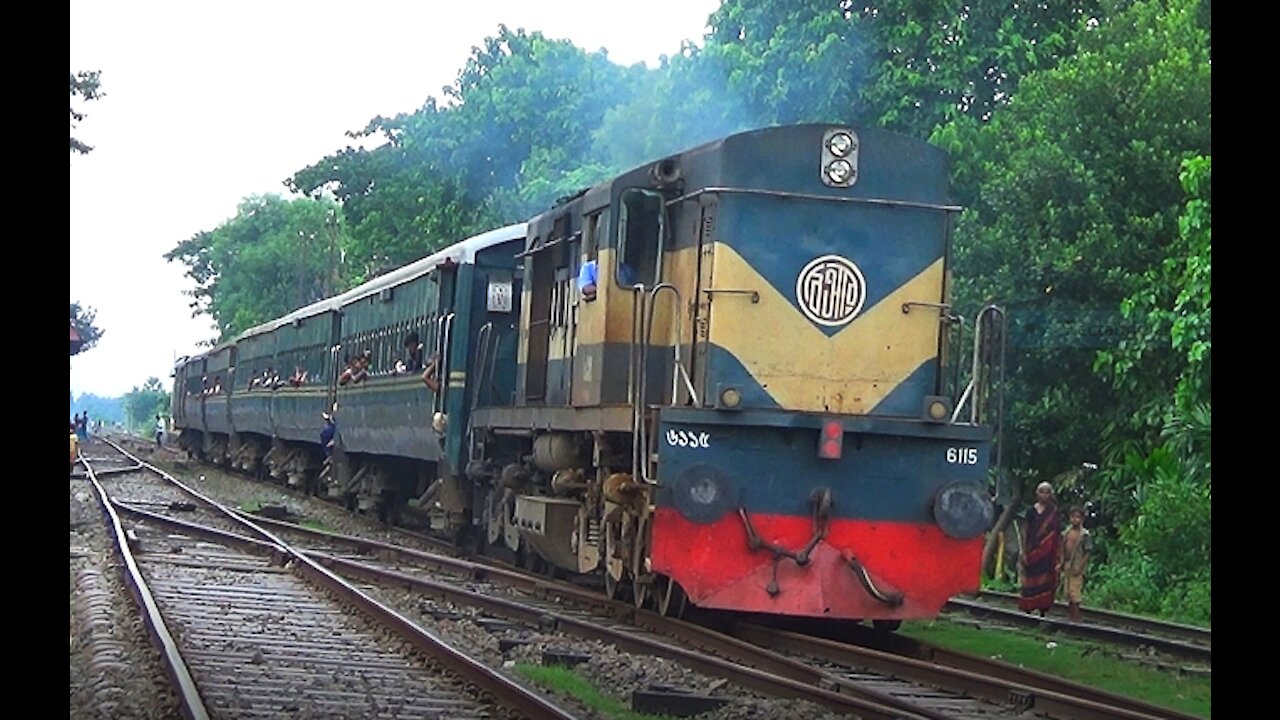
1076	660
566	682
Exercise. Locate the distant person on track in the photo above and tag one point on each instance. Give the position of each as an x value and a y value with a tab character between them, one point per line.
1041	538
159	431
75	446
1073	560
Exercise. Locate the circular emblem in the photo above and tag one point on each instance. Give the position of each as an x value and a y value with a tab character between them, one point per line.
831	290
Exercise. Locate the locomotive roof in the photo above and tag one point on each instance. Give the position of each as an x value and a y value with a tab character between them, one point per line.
460	252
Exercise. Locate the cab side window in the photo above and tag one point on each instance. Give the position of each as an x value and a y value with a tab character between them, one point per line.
640	233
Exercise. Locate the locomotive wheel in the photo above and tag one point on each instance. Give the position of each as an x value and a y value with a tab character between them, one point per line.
671	598
886	626
641	582
608	542
639	592
610	586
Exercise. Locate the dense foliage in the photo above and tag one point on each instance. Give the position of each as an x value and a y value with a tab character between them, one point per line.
109	410
513	134
274	256
1088	221
1080	133
903	64
143	404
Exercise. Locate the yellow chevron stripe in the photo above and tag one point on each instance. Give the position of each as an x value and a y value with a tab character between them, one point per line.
803	369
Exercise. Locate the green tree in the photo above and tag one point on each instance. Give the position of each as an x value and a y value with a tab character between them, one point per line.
514	133
1161	561
1170	351
681	104
905	65
143	404
1074	198
274	256
107	410
86	86
82	318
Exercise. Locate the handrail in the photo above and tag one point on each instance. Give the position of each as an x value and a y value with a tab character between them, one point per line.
958	345
439	355
984	325
483	337
678	372
446	343
636	382
993	319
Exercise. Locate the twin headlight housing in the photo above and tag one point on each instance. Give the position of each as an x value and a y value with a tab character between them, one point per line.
839	158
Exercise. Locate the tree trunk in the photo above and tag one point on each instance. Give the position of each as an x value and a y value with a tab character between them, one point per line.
993	537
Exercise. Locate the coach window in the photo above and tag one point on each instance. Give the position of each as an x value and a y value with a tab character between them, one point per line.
641	226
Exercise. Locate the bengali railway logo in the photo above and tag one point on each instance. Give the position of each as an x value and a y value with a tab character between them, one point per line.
830	290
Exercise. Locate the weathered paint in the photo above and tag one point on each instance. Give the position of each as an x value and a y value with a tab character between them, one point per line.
716	568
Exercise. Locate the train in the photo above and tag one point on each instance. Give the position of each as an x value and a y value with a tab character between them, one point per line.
730	378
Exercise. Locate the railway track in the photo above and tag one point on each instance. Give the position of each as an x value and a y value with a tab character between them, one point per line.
245	634
1176	644
905	683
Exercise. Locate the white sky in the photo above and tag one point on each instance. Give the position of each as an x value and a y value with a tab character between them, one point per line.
208	103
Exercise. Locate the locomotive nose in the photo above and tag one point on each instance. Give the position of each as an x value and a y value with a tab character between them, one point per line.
963	510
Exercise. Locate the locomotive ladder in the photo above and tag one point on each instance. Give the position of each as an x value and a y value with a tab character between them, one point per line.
642	311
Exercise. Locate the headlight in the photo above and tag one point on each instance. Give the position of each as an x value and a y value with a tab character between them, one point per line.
703	493
730	397
840	144
963	510
840	171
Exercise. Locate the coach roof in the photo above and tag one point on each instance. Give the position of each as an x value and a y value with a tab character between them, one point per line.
459	252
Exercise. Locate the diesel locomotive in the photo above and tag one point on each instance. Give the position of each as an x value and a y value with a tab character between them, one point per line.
760	404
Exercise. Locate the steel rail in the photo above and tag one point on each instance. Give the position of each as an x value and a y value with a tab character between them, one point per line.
1190	633
1058	697
1087	630
184	686
505	691
775	674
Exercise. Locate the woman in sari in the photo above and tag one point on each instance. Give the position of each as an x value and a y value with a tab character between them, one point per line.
1041	537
